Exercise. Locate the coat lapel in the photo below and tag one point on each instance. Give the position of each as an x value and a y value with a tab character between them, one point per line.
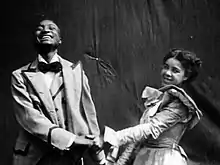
56	84
35	79
72	77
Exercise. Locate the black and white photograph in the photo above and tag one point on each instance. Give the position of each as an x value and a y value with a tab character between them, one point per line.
110	82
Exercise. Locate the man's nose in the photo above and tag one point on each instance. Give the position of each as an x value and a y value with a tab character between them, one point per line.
46	29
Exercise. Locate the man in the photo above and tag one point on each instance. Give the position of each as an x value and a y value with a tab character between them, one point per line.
53	106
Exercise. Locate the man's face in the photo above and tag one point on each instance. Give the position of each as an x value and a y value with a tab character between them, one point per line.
48	33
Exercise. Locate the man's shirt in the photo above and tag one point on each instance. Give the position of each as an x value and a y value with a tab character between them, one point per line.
48	76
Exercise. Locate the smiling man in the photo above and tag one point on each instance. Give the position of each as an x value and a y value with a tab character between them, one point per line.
54	107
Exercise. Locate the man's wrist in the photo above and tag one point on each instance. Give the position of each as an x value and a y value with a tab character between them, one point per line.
71	142
99	157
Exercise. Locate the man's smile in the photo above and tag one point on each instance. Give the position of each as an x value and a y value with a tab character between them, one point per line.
45	36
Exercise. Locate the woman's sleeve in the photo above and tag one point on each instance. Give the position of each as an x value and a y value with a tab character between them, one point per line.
162	121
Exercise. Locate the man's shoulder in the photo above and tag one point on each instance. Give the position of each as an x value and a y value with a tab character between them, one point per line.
21	69
65	62
69	63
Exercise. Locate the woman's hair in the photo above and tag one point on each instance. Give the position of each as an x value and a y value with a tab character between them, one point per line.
189	61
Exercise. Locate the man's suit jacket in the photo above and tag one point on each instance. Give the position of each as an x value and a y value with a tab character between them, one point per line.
35	111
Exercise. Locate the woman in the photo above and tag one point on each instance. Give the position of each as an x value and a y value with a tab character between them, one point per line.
169	111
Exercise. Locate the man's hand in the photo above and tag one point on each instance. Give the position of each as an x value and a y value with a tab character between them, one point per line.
98	143
82	140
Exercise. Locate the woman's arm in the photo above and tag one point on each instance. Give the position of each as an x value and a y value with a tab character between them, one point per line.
161	122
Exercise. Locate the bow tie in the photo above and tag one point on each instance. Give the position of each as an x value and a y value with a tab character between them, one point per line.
51	67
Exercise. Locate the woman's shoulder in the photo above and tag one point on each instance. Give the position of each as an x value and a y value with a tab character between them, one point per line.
186	100
150	93
181	95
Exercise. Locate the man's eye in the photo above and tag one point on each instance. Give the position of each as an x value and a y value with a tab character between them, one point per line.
39	28
52	28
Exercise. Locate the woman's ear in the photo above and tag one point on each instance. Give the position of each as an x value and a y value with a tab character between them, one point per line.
185	78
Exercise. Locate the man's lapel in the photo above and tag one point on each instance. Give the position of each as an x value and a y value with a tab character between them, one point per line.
56	84
72	77
36	80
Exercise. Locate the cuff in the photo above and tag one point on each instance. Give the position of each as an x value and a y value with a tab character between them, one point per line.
110	136
100	157
50	132
72	139
112	155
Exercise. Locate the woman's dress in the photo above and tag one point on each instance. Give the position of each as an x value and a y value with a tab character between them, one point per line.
169	112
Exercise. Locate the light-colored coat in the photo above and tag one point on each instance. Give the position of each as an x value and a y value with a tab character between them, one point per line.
35	111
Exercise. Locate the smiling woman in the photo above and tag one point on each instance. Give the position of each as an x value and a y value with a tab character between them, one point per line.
172	72
179	66
169	112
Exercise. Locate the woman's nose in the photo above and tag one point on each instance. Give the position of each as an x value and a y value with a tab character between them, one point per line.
168	72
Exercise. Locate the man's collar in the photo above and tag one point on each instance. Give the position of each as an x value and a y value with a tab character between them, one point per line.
64	63
55	58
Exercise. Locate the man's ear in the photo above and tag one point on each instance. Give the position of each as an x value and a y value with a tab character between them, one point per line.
60	42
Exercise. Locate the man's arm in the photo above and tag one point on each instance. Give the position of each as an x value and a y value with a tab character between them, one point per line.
97	153
89	107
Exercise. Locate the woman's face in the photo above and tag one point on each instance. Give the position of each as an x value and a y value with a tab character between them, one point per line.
172	73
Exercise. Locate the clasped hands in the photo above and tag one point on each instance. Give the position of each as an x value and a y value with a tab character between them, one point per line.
97	142
96	145
94	142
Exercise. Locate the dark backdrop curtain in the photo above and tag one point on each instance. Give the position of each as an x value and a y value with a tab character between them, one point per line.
121	44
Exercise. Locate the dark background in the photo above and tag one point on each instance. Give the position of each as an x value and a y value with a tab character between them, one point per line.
129	37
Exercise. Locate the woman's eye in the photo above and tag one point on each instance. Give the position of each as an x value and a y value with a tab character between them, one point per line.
165	66
175	70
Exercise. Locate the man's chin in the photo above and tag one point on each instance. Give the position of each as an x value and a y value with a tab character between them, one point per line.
47	44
